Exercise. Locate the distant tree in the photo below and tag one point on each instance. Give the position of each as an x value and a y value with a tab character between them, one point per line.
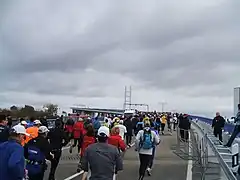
51	109
13	108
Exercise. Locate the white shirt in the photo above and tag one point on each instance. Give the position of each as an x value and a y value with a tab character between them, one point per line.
122	130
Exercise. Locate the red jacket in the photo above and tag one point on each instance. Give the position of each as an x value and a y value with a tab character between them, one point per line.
69	128
116	140
77	129
87	140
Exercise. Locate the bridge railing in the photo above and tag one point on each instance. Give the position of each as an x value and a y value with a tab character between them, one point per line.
197	144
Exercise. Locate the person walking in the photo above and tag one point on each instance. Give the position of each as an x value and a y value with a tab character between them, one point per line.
102	159
146	139
218	125
12	155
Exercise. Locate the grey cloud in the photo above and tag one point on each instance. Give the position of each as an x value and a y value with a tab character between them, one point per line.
162	46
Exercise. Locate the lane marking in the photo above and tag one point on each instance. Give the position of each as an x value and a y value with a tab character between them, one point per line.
190	163
74	175
65	148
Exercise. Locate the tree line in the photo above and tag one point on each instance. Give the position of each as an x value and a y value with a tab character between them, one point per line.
30	111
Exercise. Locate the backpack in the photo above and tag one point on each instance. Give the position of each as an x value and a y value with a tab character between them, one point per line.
35	161
147	142
96	124
139	126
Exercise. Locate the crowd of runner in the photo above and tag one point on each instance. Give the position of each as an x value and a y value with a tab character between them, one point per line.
100	141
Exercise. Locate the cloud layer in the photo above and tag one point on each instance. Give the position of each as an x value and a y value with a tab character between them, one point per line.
85	52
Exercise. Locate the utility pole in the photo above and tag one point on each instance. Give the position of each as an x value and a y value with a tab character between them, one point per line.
163	105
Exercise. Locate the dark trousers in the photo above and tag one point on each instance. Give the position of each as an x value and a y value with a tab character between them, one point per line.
151	161
174	126
184	134
218	133
39	176
77	142
144	163
233	136
54	163
162	127
128	139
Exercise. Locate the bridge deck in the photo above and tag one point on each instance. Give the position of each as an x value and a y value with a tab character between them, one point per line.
167	165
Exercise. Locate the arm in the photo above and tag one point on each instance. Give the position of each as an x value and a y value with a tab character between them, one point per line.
119	162
156	138
122	145
213	122
16	163
137	141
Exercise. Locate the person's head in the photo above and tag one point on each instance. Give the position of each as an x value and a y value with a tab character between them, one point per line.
106	120
217	114
115	131
23	123
121	122
32	119
43	131
147	126
103	134
3	119
90	130
37	123
80	119
58	123
18	133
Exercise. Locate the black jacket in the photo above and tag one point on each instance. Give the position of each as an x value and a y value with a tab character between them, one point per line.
56	137
218	122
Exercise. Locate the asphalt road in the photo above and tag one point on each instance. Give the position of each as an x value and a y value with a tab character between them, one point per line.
167	165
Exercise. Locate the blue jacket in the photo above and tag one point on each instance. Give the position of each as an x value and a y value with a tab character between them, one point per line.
11	161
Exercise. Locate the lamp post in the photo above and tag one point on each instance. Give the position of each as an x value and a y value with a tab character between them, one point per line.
163	105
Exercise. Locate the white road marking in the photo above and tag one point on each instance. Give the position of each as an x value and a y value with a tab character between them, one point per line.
190	164
74	175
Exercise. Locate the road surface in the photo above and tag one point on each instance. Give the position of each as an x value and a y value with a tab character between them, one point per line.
167	165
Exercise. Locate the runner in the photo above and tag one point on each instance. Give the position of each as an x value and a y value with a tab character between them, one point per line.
101	158
145	141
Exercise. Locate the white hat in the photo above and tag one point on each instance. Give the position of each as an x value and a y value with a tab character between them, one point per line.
37	122
20	129
43	129
121	121
23	122
103	130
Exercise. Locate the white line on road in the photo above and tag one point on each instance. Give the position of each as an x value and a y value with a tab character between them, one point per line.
74	175
190	163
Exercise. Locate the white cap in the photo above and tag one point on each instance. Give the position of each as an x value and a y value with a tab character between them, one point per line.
80	119
103	130
20	129
23	122
43	129
37	122
121	121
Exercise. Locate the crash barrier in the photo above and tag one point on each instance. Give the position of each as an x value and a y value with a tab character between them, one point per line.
219	161
201	148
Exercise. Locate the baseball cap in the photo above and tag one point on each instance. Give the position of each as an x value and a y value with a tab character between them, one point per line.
19	129
43	129
37	122
103	131
121	121
23	122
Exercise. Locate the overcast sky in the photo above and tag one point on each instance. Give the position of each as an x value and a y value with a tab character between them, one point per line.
186	53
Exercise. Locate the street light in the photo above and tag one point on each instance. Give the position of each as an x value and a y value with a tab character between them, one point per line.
163	105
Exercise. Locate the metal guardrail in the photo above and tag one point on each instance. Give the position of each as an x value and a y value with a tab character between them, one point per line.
224	166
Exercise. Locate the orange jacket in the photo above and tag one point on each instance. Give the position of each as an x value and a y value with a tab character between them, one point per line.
33	131
116	140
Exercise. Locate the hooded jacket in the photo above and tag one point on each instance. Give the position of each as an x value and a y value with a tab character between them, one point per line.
11	161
